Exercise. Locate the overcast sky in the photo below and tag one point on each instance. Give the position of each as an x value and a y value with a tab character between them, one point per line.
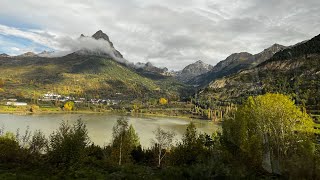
168	33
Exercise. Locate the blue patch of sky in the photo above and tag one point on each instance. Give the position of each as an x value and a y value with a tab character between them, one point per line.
16	23
14	45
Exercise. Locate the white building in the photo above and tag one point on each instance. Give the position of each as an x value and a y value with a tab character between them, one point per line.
16	104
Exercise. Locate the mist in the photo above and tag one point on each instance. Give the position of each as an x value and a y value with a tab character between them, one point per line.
85	45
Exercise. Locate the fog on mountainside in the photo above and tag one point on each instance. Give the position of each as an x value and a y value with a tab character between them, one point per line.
98	44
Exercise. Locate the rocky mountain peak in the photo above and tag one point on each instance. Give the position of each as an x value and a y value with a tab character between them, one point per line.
267	53
198	67
45	53
274	48
193	70
101	35
149	67
4	55
28	54
199	62
149	64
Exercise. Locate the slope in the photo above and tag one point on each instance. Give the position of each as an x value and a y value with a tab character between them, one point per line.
294	71
235	63
74	74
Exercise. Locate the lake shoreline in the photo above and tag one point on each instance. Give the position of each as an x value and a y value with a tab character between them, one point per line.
109	112
133	114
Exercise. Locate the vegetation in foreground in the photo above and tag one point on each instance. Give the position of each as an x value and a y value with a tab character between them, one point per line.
266	137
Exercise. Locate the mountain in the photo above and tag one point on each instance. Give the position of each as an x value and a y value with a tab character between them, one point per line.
79	75
267	53
101	35
99	44
151	68
28	54
233	64
90	75
294	71
151	71
45	53
4	55
193	70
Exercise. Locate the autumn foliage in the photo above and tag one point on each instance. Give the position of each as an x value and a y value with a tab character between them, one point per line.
68	106
163	101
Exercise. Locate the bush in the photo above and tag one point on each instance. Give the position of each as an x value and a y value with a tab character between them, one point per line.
34	108
9	148
68	106
67	145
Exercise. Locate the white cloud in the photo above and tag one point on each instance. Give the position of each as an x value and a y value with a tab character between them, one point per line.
37	36
15	49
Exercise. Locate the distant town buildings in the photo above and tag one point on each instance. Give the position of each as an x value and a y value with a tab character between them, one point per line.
55	97
16	104
60	98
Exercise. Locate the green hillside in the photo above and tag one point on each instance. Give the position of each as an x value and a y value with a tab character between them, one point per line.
79	76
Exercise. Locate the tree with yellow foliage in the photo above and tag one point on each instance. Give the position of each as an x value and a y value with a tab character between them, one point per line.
163	101
68	106
269	130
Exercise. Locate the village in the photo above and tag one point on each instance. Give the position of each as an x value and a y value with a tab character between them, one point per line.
53	97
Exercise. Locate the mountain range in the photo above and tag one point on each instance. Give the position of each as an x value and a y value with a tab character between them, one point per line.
293	70
233	64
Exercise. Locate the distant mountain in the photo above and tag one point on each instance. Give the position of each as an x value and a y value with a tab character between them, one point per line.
28	54
266	54
4	55
294	70
151	68
151	71
45	53
235	63
193	70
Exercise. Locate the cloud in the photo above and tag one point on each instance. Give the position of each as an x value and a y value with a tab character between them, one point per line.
167	33
37	36
86	45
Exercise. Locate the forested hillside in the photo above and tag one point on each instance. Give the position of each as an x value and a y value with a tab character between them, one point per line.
293	71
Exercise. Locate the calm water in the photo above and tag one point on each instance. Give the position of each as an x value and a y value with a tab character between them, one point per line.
100	125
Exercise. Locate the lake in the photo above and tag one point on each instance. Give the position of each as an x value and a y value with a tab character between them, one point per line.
100	125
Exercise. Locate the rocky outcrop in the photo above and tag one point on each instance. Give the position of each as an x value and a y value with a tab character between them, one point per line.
4	55
193	70
28	54
101	35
